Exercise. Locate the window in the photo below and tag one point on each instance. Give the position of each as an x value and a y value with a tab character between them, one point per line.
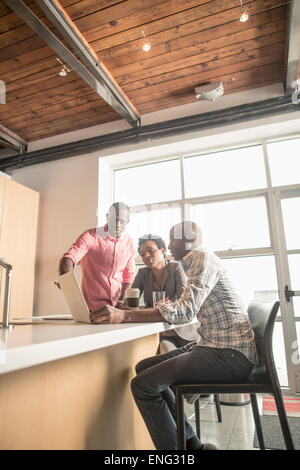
234	224
254	277
146	184
284	162
291	211
225	172
157	220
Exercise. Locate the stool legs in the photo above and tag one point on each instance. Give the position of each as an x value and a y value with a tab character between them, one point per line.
283	420
197	413
218	407
197	417
180	421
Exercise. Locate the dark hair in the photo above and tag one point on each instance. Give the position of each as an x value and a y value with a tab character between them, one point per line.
118	206
150	237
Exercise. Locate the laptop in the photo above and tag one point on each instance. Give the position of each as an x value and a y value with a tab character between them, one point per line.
74	297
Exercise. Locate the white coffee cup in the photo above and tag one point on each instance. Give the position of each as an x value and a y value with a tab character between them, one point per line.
132	297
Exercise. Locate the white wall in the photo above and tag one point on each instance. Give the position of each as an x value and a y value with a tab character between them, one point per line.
69	189
68	205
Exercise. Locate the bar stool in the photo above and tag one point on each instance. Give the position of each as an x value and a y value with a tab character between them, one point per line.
262	379
197	413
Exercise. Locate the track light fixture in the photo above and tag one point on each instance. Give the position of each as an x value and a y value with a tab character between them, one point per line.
64	69
146	46
244	17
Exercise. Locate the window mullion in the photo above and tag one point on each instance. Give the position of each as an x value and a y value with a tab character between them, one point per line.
227	196
183	206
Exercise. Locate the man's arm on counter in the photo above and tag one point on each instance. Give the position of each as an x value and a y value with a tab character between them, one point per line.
110	314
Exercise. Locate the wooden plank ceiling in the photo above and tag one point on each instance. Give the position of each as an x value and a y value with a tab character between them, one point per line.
193	42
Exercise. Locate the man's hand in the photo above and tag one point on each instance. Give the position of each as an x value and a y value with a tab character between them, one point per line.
65	266
108	314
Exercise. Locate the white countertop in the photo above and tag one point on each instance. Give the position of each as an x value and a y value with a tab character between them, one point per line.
32	344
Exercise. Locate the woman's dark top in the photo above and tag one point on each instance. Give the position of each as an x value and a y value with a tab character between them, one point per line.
174	282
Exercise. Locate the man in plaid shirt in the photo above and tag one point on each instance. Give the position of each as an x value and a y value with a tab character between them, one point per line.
225	352
210	296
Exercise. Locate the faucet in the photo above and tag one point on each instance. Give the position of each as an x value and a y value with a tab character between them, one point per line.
8	268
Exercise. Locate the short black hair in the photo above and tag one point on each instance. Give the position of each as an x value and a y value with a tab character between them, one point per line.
120	206
150	237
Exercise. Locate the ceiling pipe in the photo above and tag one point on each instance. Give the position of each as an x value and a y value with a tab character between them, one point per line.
11	140
237	114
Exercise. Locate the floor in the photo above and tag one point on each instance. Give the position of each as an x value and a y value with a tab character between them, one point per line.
236	432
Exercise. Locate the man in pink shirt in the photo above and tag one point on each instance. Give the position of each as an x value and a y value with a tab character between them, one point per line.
106	255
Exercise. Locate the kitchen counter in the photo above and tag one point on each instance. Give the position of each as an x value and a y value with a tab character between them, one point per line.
32	344
66	385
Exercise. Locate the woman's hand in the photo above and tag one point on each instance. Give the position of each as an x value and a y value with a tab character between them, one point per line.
108	314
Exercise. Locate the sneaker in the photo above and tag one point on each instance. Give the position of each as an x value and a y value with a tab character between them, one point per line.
208	446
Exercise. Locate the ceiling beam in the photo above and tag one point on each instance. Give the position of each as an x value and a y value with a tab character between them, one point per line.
97	77
293	53
11	140
236	114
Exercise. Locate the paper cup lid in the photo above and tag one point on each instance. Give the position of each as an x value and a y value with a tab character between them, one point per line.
132	293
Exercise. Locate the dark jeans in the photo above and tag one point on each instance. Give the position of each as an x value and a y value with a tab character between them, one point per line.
154	397
167	343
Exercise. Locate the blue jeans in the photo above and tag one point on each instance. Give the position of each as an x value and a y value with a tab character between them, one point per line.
155	375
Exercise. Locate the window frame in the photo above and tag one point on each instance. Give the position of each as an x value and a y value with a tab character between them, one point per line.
271	196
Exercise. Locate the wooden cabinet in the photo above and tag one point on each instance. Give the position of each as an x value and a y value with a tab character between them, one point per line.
18	232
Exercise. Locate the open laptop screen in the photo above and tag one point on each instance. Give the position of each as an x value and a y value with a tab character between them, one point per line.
73	295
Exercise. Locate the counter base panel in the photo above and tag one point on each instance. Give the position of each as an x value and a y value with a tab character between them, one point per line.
81	402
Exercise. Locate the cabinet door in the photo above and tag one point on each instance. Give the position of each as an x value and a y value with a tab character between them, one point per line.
18	245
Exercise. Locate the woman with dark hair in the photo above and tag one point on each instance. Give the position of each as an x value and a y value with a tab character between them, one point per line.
167	276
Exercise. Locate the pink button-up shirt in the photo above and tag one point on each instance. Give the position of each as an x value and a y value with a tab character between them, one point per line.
106	263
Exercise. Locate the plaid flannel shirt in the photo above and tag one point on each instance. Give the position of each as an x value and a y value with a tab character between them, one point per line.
209	295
